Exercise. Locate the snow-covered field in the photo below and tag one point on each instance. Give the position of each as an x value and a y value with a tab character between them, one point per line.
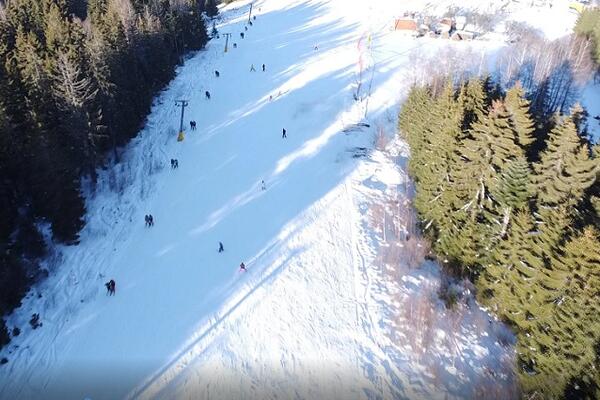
315	315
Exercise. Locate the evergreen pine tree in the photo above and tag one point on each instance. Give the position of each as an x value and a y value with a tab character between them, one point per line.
567	335
518	106
513	190
488	150
475	102
511	279
554	226
437	152
565	170
413	122
210	7
493	140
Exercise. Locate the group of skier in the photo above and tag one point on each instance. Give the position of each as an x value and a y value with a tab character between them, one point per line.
110	287
149	219
252	69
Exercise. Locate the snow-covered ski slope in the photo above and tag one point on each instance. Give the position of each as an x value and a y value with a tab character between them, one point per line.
310	317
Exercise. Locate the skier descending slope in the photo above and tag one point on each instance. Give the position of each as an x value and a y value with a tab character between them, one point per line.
110	287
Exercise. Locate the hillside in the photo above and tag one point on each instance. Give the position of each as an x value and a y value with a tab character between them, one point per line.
318	313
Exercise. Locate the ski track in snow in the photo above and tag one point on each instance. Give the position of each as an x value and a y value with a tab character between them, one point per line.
311	316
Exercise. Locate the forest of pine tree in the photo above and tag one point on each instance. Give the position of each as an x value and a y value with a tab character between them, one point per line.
511	199
77	78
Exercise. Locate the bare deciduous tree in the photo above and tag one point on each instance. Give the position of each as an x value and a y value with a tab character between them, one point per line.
70	85
126	13
552	70
381	139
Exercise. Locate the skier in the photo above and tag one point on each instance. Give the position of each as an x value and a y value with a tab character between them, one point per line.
242	267
270	97
284	134
254	17
235	45
242	35
263	186
150	220
245	28
252	69
264	67
110	287
217	74
172	163
147	219
316	47
207	94
176	164
221	249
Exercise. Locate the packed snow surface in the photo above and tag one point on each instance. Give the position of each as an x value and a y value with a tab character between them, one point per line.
316	315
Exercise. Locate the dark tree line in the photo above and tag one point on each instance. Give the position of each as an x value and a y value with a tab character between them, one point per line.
76	81
513	202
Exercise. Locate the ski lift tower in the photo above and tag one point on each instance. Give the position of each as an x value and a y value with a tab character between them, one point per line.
250	12
183	104
227	36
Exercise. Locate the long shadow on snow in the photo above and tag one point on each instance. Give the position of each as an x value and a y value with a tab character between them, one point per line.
189	352
250	134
